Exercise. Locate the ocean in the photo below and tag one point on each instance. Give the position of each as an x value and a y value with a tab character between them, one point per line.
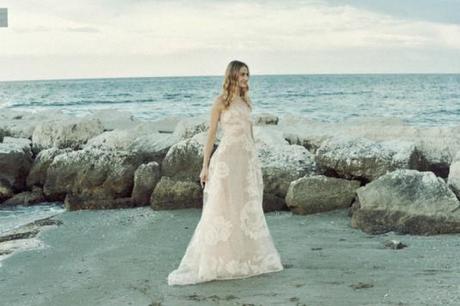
420	99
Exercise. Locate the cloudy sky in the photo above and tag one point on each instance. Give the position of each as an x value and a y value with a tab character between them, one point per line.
50	39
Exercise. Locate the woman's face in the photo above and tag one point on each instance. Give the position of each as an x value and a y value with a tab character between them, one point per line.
243	77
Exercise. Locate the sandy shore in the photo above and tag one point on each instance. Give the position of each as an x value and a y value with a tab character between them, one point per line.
122	257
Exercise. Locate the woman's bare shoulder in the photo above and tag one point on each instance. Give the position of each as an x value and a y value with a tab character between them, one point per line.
219	102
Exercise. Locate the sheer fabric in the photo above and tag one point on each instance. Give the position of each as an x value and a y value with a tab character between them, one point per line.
232	239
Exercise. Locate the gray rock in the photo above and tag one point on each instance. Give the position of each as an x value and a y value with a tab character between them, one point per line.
281	165
454	175
173	194
27	197
37	174
145	179
184	160
142	139
189	127
21	124
6	191
319	193
15	163
365	159
65	134
265	119
152	147
436	145
407	201
91	174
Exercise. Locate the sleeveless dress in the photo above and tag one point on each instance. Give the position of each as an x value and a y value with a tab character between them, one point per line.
232	239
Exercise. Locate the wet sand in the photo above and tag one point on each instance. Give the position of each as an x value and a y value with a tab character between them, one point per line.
123	257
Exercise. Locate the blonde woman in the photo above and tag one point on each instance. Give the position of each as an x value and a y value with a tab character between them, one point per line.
232	239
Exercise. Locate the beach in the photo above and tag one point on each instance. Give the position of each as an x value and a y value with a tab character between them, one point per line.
123	257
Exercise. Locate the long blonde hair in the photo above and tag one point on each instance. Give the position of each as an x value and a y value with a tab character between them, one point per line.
230	84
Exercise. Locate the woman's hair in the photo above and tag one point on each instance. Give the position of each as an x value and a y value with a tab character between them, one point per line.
230	84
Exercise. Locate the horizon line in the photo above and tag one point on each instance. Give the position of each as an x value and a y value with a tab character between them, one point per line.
221	75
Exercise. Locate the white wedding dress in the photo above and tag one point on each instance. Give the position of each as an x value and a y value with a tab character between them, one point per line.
232	239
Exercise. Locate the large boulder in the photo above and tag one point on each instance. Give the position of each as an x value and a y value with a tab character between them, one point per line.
27	197
91	174
145	179
454	175
37	174
142	139
281	165
189	127
184	159
72	133
15	163
174	194
152	147
364	159
436	145
407	201
319	193
6	191
21	124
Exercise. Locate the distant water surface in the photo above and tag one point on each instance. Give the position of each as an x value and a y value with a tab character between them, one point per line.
421	99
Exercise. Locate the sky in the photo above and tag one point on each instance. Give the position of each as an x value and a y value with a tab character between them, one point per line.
51	39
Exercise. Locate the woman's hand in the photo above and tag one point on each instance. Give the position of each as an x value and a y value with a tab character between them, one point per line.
203	176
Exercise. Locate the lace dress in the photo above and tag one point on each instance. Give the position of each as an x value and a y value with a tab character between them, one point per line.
232	239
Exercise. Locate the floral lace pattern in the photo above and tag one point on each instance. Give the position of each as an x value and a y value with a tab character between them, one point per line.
232	239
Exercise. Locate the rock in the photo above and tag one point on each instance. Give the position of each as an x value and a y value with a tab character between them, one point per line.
281	165
3	132
394	244
306	132
24	143
454	175
37	174
436	145
142	139
174	194
91	174
145	179
265	119
269	135
407	201
68	134
189	127
21	124
364	159
319	193
184	160
6	191
153	147
27	197
15	163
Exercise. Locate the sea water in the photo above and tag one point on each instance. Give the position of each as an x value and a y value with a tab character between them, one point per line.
420	99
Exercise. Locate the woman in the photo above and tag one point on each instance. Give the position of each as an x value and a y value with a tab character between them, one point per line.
231	239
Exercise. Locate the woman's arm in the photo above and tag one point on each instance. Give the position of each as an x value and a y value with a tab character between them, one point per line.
215	113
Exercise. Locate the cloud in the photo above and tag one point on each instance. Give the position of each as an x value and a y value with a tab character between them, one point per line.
260	29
